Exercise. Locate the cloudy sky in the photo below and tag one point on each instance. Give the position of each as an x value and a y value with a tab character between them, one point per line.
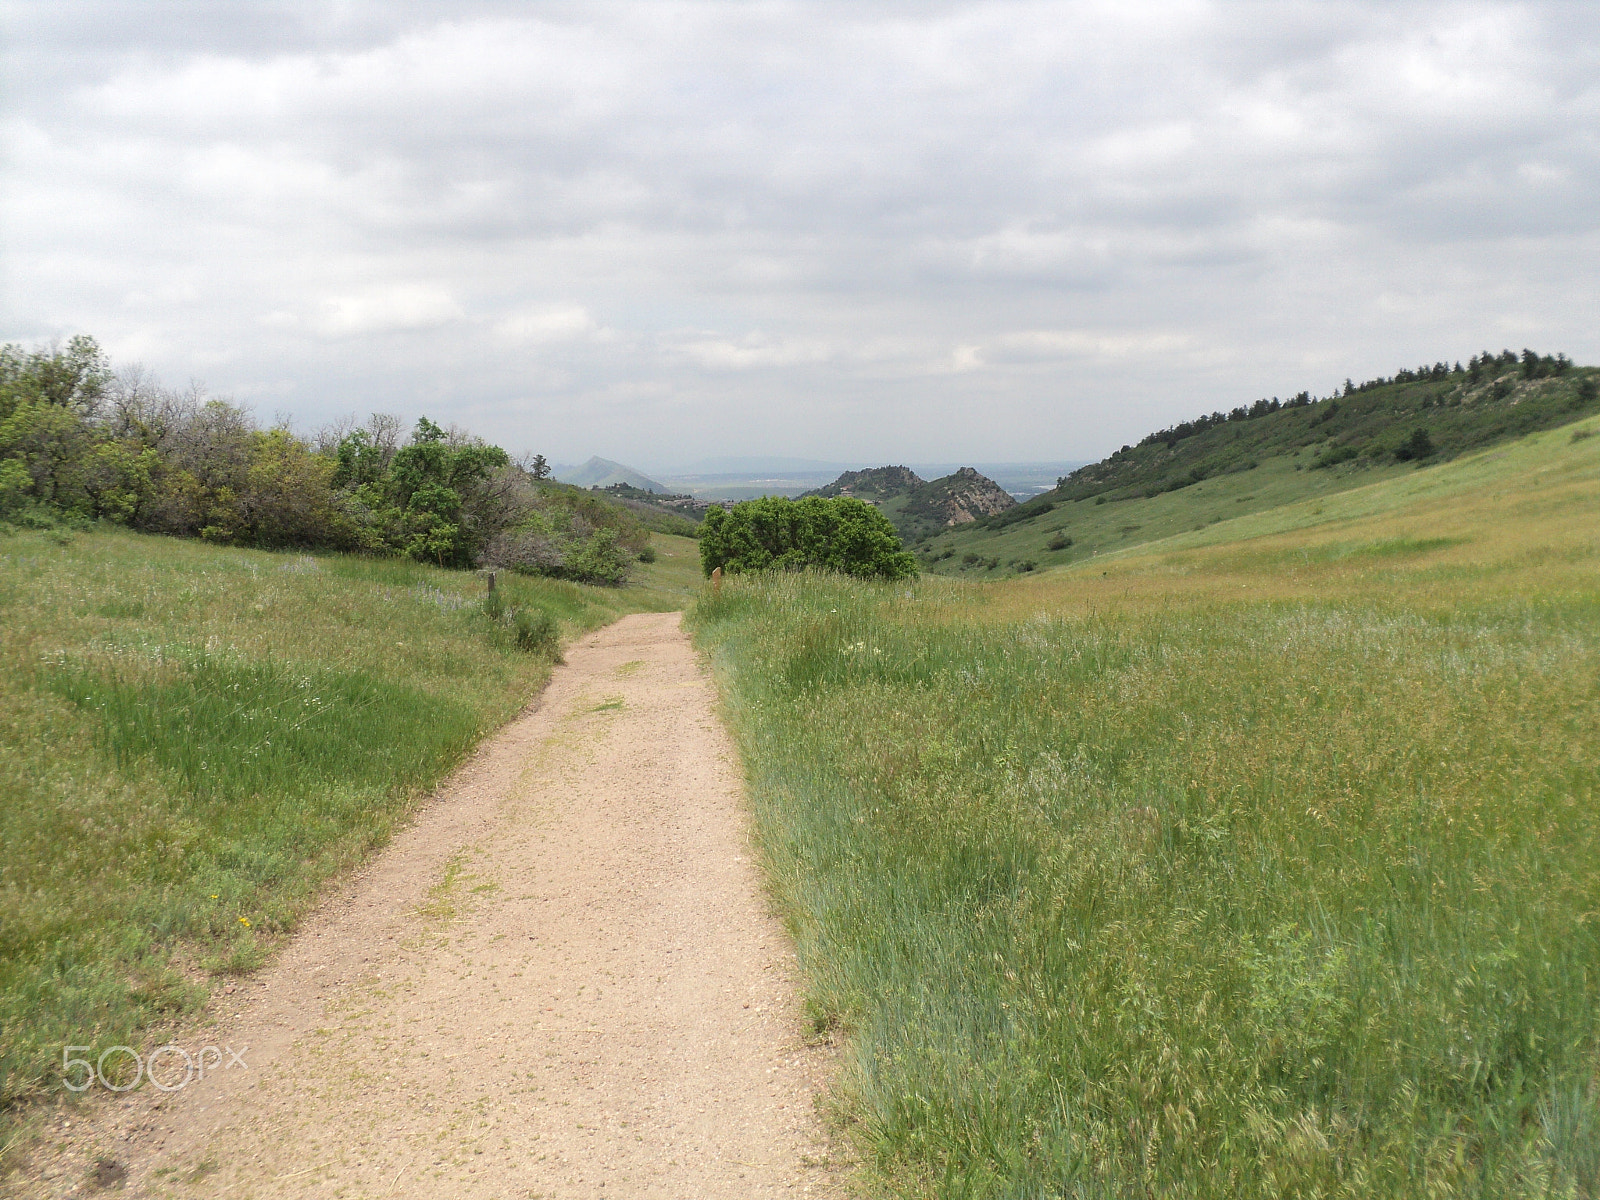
860	230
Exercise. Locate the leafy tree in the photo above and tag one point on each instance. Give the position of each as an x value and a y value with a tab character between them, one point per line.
286	499
73	378
360	460
78	441
1418	445
15	486
119	479
50	440
839	533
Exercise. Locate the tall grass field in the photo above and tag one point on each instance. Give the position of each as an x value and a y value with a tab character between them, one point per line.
1260	862
194	740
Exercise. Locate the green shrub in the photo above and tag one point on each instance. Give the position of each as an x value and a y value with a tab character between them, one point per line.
600	560
647	555
1335	455
838	533
1060	541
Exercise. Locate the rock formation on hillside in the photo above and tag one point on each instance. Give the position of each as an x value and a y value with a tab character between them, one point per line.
919	508
963	497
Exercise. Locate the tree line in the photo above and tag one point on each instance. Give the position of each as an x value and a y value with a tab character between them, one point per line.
80	441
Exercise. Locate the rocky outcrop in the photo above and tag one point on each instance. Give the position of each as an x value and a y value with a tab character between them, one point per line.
920	508
963	497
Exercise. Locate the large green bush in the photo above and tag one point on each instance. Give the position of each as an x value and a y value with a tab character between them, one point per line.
840	534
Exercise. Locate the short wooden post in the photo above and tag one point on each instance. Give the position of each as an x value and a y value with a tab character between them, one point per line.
716	581
491	581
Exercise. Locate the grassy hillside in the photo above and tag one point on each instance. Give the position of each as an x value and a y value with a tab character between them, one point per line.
1190	476
196	738
676	514
1259	863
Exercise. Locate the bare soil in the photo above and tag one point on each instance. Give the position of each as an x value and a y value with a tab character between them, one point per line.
562	980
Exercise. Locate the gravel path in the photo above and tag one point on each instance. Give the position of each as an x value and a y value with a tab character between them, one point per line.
561	981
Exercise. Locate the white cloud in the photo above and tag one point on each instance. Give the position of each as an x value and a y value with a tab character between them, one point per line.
750	351
1006	229
546	325
1045	345
393	309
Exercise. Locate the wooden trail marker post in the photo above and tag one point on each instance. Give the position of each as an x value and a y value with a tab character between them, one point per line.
716	581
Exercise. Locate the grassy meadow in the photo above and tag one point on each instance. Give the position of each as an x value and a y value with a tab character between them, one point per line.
196	739
1261	861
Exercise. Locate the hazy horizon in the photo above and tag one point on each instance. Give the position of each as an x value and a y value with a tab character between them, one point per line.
873	232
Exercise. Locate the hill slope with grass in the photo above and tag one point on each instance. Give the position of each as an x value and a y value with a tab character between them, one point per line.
1252	459
198	737
1257	863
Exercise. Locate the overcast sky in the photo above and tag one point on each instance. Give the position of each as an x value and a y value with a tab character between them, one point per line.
868	231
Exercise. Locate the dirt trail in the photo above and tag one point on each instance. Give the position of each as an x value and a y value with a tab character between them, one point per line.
561	981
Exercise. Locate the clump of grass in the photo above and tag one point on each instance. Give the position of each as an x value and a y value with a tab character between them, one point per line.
1220	874
533	630
537	632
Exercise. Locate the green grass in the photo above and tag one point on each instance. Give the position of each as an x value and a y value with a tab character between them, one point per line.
673	580
196	740
1256	863
1253	466
1105	528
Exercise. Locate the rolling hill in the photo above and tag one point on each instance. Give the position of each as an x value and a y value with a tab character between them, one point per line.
1274	452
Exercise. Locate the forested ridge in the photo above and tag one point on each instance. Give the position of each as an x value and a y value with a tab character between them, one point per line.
1426	413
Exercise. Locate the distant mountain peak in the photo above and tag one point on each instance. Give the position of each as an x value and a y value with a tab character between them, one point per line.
602	472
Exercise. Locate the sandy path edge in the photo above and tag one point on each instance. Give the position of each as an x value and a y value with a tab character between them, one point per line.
562	979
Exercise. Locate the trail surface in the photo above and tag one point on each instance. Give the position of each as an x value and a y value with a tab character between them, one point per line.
561	981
